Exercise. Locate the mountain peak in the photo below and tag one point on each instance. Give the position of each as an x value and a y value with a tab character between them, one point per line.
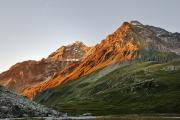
135	22
78	42
72	51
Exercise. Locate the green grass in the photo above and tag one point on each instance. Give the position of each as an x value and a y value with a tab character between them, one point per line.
141	87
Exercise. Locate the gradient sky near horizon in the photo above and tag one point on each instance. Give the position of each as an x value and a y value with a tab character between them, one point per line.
32	29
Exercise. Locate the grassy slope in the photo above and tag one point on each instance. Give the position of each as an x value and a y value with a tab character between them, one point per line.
145	87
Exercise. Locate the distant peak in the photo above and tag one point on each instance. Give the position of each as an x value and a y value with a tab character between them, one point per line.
135	22
78	42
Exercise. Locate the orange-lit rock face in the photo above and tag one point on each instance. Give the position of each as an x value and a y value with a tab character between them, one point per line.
115	48
30	92
31	73
16	77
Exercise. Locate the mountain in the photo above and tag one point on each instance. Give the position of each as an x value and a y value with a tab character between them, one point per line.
13	105
136	69
105	53
132	40
30	73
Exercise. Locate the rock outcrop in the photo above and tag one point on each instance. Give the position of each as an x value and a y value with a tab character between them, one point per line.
13	106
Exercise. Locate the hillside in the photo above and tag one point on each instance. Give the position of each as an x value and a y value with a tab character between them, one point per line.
126	87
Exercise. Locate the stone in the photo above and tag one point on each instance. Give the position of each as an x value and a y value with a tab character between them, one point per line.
13	105
4	109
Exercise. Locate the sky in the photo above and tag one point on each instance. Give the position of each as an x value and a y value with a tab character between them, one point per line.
32	29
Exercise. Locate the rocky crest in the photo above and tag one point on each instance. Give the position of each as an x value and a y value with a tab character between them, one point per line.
30	73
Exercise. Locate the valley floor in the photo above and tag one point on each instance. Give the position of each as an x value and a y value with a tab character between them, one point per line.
122	117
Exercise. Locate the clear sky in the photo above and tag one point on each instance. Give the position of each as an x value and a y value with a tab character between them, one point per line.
32	29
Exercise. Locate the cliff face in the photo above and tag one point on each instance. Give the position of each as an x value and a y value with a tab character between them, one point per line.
30	73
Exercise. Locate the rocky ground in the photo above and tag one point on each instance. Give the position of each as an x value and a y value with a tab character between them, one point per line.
13	105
